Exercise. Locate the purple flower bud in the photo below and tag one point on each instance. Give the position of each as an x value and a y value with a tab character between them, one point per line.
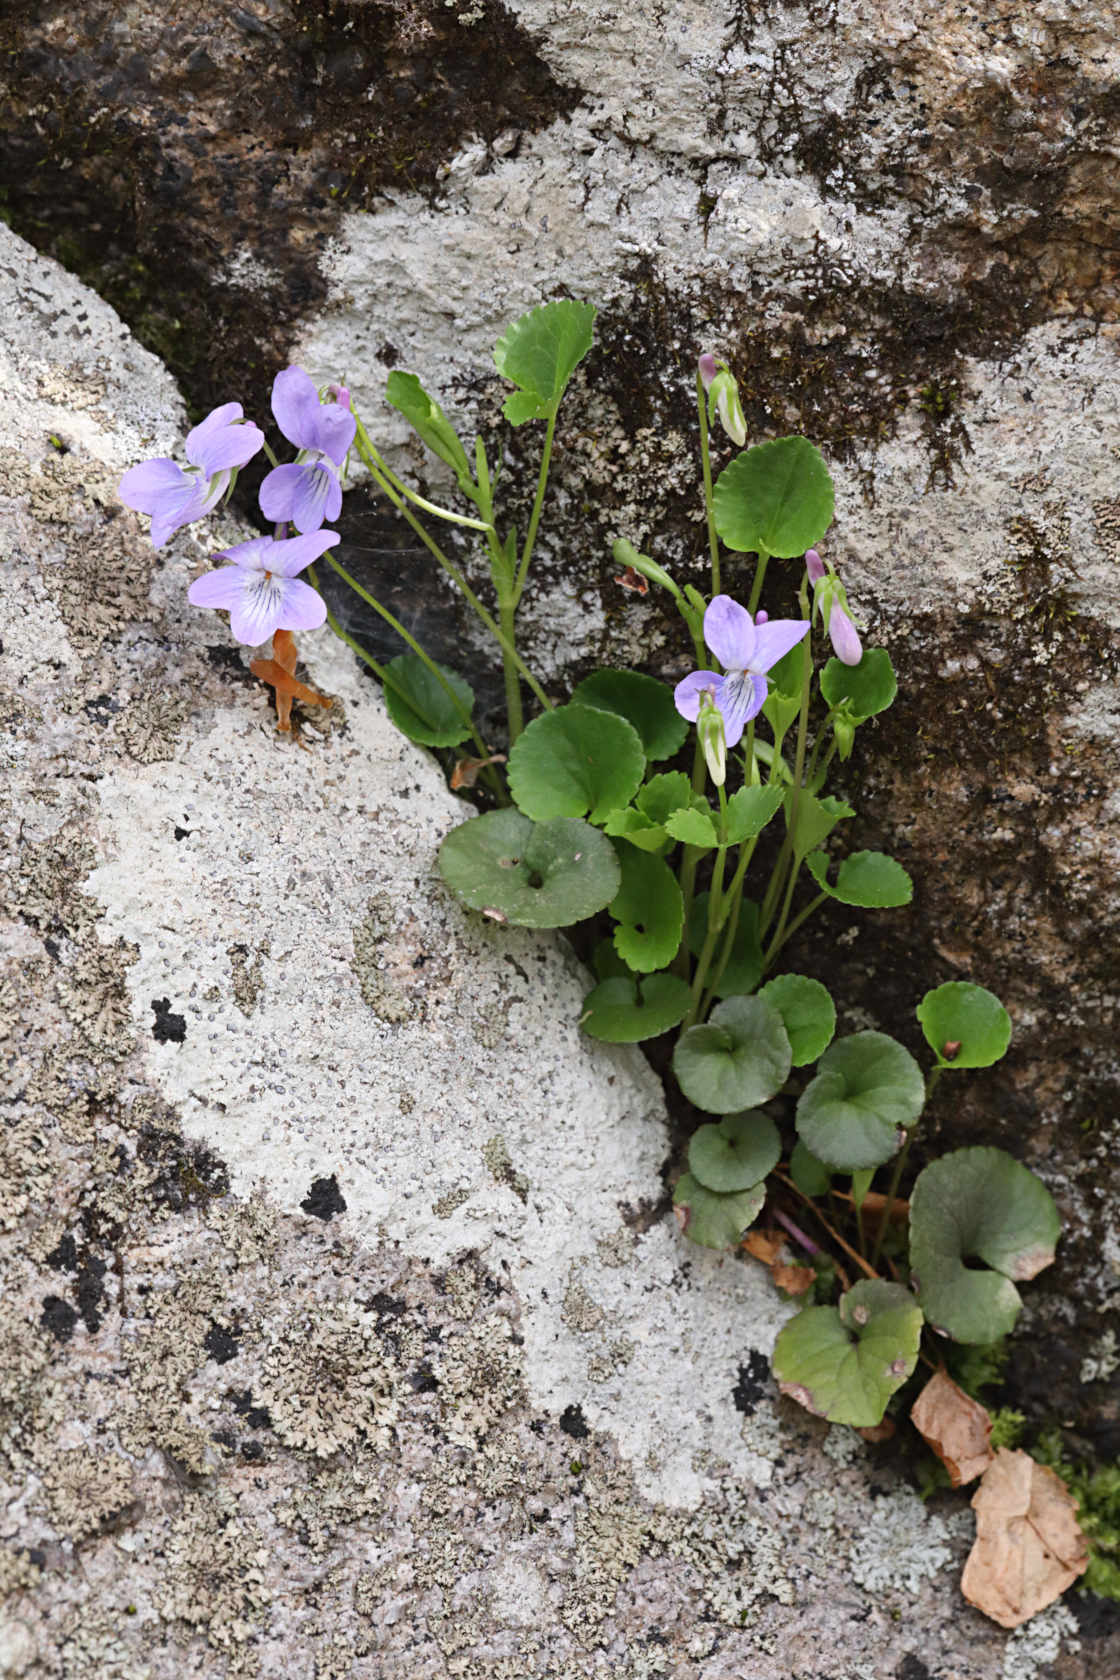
340	394
707	369
844	636
814	565
761	617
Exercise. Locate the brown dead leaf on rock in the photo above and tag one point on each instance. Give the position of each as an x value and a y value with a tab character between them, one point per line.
1029	1547
795	1280
764	1245
955	1425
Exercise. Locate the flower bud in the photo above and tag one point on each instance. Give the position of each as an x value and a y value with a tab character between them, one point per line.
713	741
844	731
708	368
723	399
814	565
761	617
339	394
844	636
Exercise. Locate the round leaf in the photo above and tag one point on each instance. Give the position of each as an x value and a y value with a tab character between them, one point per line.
625	1010
845	1364
649	909
715	1221
866	688
811	1176
540	351
739	1058
744	966
573	760
978	1204
735	1153
421	707
870	880
775	497
965	1026
868	1085
808	1011
535	874
642	701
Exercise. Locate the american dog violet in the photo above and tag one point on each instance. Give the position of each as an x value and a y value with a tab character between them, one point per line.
175	496
308	491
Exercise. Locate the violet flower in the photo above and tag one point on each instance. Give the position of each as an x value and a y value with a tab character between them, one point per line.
307	491
261	590
747	650
830	601
175	497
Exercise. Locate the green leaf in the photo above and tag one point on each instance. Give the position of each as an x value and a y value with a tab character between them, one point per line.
744	966
861	1184
844	1364
808	1011
749	810
810	819
649	909
966	1020
811	1176
737	1059
535	874
421	707
607	963
776	497
664	794
866	688
635	826
625	1010
978	1204
642	701
871	880
867	1087
695	828
540	352
575	759
735	1152
710	1219
406	394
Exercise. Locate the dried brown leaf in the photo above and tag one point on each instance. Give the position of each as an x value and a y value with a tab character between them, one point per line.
795	1280
876	1432
764	1245
1029	1547
955	1425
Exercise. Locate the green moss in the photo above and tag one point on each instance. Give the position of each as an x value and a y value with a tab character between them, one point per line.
1097	1492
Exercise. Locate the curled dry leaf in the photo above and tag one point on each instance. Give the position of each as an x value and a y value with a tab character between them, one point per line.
878	1432
769	1246
955	1425
1029	1547
764	1245
794	1280
465	773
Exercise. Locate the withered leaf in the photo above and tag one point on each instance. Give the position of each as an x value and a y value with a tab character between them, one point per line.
795	1280
764	1245
955	1425
1029	1547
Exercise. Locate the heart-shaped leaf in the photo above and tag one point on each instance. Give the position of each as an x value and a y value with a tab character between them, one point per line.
965	1026
809	819
844	1364
811	1176
776	498
744	966
749	810
642	701
713	1220
695	828
540	352
649	909
421	707
406	394
737	1059
625	1010
871	880
978	1204
808	1011
864	689
735	1152
867	1087
535	874
573	760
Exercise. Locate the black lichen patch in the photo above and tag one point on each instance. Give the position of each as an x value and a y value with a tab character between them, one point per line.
912	1668
573	1423
324	1199
158	153
87	1269
169	1028
257	1417
752	1383
59	1317
186	1174
423	1380
221	1344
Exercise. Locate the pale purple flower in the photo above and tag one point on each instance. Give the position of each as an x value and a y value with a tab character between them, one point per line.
844	636
815	567
709	367
307	491
216	447
747	650
830	601
261	590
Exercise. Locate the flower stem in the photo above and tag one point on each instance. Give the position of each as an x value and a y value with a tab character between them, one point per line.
796	1232
706	468
756	587
802	916
535	516
892	1192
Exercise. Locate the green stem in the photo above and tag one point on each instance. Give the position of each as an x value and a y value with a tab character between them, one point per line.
706	468
515	717
421	501
690	862
733	904
715	902
892	1192
802	916
535	516
756	587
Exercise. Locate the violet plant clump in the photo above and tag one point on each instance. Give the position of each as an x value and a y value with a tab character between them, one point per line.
701	861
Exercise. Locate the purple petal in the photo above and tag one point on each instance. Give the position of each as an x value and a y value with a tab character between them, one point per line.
304	607
200	438
740	698
252	555
708	368
147	486
814	565
318	496
291	554
222	588
686	695
259	608
178	508
230	447
278	492
775	640
844	636
295	403
335	427
730	633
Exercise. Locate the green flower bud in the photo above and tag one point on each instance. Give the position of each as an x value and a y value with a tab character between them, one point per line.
713	741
